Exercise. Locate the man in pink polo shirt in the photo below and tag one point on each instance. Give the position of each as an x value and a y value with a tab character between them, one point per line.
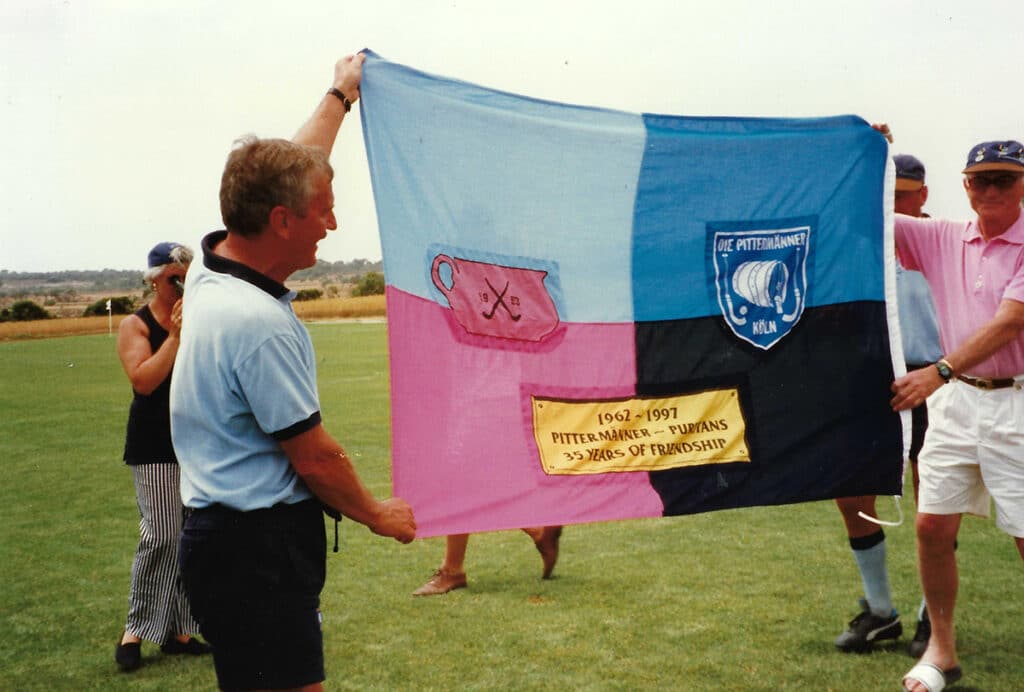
974	451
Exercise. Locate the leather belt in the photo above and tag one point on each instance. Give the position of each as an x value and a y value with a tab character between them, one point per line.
986	383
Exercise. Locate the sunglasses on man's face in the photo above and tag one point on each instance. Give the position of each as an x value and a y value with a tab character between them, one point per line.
982	181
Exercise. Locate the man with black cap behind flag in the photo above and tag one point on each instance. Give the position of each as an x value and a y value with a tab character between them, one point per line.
878	619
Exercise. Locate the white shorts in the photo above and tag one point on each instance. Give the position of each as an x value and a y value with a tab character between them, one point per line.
974	453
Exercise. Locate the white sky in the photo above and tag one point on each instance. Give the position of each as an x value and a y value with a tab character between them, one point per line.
116	115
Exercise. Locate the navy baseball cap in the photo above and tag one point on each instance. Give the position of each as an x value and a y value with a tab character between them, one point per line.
909	172
996	156
161	254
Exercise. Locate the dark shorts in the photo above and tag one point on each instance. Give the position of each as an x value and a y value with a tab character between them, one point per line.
918	425
918	420
253	580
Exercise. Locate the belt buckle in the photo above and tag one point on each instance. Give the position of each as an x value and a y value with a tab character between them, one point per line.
983	383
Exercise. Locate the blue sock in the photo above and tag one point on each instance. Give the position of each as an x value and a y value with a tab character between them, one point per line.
869	552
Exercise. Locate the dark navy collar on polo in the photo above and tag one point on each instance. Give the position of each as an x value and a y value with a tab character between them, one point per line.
223	265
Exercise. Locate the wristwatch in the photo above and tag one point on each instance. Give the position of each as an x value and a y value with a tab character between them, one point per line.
345	103
945	369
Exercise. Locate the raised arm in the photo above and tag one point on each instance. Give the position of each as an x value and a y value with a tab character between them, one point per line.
321	129
146	369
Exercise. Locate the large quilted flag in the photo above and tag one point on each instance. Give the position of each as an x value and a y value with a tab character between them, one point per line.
598	315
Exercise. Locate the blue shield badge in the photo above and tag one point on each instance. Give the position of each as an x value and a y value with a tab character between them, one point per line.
761	280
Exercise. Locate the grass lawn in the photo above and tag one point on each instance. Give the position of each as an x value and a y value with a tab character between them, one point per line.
741	599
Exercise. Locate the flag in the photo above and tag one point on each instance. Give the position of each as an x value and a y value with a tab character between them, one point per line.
598	315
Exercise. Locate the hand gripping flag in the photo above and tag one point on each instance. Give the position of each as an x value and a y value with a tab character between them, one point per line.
597	315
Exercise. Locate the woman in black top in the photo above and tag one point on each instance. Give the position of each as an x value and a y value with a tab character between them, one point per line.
147	344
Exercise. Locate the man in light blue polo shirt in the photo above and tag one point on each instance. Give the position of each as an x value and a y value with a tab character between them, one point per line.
254	374
257	465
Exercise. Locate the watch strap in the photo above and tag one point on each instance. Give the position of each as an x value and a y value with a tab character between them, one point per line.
334	91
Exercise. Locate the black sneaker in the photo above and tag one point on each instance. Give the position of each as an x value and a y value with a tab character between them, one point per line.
921	636
866	629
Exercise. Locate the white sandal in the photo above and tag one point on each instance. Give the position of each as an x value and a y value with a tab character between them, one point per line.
932	677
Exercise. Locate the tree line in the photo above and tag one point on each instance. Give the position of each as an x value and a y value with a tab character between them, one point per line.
66	285
15	284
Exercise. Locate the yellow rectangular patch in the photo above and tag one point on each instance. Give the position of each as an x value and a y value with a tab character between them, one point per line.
643	434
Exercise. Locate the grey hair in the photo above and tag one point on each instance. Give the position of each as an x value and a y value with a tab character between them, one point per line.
182	257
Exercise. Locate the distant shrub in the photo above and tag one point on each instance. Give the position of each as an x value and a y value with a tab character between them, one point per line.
24	311
369	284
309	294
121	305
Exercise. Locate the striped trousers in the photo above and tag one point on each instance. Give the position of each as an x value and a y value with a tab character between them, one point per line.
157	606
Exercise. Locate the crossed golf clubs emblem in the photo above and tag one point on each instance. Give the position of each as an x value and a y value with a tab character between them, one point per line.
500	300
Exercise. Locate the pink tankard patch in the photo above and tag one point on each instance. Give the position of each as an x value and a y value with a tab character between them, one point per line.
496	300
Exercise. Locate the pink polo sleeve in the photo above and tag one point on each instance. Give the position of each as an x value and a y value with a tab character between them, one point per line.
911	235
1015	289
